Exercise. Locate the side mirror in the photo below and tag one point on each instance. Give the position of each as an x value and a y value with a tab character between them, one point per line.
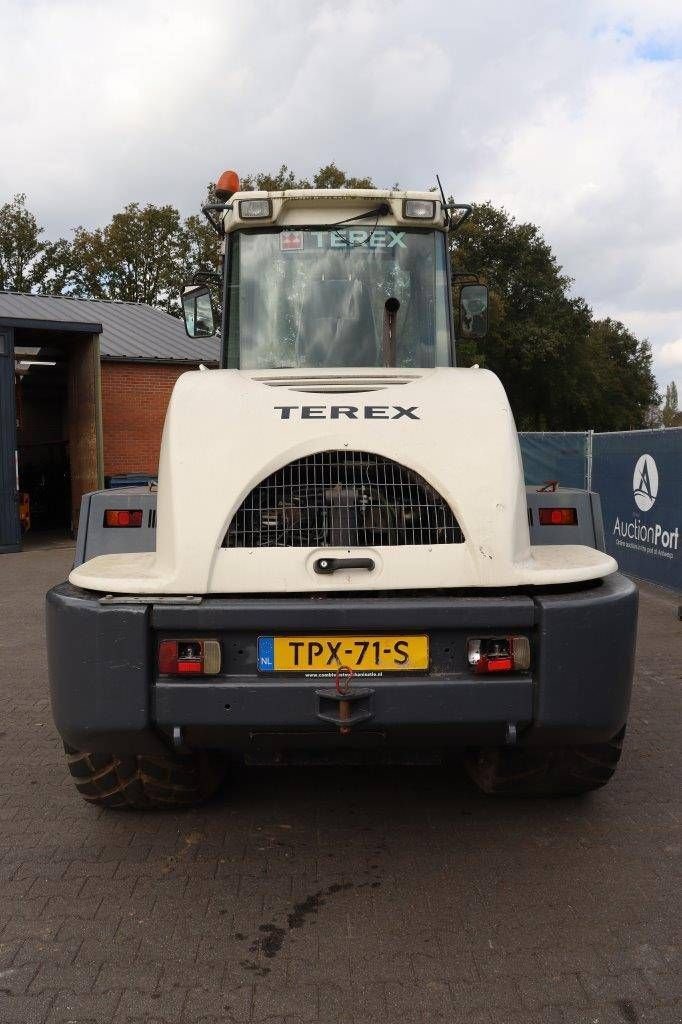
197	309
473	311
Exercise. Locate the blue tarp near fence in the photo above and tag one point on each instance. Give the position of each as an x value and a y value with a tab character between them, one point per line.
638	475
555	456
639	478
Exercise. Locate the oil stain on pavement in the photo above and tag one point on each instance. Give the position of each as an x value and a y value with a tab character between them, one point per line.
271	938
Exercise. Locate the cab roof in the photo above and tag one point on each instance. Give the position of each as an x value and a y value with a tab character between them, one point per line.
324	206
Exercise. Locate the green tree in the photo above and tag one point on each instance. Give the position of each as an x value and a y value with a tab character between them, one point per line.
670	412
562	370
20	246
536	328
141	256
329	176
615	374
55	268
272	181
203	246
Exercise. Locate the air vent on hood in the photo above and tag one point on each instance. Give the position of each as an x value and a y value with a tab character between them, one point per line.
338	384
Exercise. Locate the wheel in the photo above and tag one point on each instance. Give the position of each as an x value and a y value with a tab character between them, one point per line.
549	771
146	782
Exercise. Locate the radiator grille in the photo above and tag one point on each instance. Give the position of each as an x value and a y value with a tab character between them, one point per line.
342	499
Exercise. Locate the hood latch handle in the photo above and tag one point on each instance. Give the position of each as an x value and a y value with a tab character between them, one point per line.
327	566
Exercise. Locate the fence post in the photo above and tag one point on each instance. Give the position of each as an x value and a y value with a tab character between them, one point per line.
588	461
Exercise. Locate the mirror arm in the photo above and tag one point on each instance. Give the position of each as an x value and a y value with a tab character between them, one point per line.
473	274
466	207
211	208
468	210
207	276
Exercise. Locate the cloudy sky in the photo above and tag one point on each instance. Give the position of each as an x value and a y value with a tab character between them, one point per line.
568	114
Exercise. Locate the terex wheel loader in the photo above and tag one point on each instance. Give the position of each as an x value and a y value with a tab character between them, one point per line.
345	564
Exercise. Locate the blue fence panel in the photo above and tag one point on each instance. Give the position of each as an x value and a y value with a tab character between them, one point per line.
555	456
639	477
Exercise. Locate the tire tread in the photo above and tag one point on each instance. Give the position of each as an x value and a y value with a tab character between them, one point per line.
538	771
146	782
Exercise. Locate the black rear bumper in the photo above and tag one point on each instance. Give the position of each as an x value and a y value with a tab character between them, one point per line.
107	696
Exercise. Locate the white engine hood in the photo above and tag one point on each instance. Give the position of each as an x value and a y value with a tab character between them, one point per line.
226	430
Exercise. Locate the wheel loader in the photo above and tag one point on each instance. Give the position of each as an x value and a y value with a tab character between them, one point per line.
341	562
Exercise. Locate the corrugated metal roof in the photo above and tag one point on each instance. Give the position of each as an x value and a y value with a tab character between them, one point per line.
130	330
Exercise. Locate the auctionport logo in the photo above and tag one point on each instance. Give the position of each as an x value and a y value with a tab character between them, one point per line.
647	537
645	483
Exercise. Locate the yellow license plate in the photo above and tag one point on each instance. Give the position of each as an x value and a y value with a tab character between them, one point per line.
329	653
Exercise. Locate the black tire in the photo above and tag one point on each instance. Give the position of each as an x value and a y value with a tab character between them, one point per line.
549	771
146	782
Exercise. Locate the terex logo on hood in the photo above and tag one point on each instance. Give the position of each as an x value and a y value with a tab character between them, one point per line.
351	412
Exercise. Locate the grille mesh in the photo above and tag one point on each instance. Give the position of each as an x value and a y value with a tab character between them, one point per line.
342	499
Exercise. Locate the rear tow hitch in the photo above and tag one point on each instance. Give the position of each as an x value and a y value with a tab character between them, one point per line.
345	705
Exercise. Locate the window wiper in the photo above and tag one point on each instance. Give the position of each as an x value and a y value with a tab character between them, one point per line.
380	211
388	338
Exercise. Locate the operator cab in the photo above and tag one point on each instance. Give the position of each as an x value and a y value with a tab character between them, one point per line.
334	278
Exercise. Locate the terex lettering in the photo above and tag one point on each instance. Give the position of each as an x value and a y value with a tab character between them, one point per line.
351	412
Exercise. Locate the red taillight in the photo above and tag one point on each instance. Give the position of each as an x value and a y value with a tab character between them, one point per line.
189	657
123	517
498	654
495	665
191	668
168	657
558	516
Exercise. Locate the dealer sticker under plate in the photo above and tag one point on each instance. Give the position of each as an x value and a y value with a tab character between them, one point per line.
329	653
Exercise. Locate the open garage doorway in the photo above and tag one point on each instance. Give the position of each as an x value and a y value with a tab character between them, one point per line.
58	438
42	444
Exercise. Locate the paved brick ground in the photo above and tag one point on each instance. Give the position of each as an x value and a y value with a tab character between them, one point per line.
340	896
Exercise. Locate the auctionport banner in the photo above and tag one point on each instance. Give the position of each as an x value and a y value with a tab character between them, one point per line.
639	478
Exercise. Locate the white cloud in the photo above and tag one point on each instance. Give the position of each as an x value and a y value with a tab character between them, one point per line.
671	353
568	114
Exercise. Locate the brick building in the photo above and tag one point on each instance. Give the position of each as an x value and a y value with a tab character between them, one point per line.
84	387
134	400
